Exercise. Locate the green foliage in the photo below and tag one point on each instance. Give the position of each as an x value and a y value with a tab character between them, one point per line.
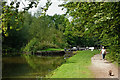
16	25
98	21
31	45
15	40
45	34
11	18
74	37
12	26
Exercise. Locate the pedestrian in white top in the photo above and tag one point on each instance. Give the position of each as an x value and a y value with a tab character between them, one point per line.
103	52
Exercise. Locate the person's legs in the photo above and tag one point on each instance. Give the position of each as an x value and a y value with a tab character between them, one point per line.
103	56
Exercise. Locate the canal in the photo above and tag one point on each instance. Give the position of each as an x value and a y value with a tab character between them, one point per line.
27	66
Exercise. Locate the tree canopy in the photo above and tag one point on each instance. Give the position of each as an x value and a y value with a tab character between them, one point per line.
91	24
97	20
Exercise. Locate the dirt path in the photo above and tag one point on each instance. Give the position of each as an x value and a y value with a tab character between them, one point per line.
100	68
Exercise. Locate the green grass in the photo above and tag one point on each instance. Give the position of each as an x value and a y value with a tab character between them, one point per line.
52	49
108	57
75	67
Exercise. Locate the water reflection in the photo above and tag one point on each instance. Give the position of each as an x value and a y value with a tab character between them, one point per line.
29	66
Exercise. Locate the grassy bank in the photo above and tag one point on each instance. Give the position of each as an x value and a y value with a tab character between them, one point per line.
52	49
110	59
76	66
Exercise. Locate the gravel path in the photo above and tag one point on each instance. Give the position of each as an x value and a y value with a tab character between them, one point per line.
100	68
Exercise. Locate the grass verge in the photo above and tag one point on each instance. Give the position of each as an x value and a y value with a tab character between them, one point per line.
108	57
76	66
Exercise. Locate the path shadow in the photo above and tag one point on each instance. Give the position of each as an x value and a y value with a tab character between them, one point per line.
107	62
68	62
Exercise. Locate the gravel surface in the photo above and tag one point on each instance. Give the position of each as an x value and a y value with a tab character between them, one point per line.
100	68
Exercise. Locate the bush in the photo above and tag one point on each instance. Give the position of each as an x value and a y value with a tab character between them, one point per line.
30	47
35	45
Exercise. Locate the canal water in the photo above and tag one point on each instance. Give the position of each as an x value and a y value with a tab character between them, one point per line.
29	66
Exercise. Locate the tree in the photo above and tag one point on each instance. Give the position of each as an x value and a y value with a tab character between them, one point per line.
10	13
44	34
98	20
15	24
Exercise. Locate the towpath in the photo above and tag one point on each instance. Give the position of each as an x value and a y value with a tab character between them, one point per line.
100	68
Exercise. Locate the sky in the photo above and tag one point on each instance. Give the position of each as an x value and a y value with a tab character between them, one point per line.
53	9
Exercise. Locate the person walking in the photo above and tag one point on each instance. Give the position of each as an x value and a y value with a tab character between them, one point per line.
103	52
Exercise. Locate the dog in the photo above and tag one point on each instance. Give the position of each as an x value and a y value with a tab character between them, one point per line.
111	73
